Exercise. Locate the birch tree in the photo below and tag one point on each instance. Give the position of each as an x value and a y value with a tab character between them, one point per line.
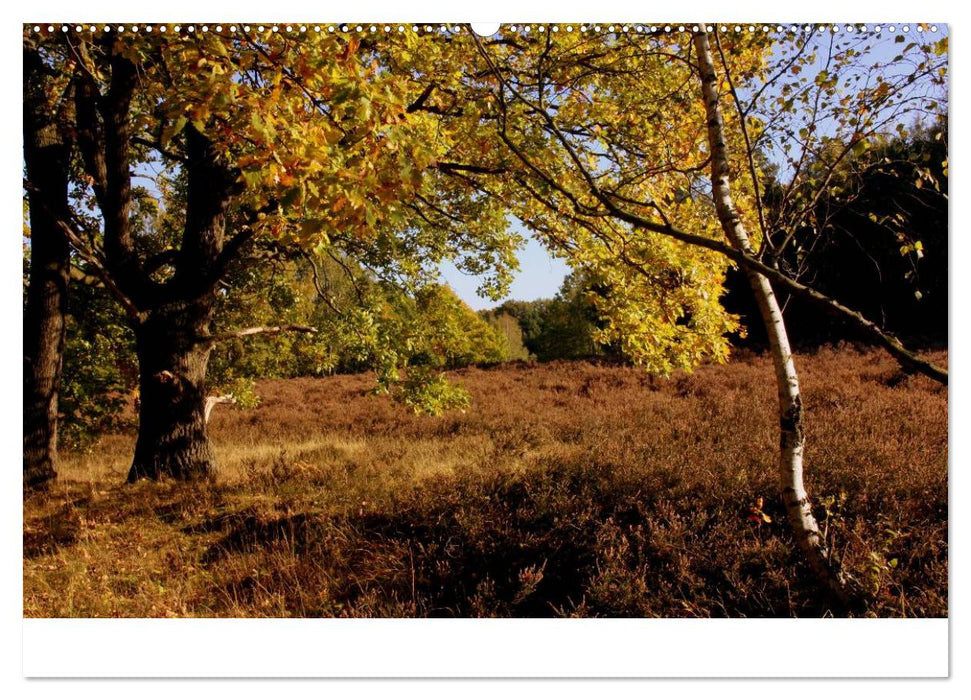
651	181
791	424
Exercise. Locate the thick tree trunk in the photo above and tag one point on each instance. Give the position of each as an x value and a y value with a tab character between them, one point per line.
792	435
46	156
174	341
172	438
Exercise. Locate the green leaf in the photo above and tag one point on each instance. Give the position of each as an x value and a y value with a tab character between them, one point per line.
173	129
252	178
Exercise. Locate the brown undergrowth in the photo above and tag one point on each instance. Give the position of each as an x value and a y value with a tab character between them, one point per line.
567	489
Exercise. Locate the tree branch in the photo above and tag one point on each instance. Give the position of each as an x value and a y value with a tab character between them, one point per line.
908	360
420	102
322	290
101	272
749	150
232	248
82	277
90	136
462	167
157	145
255	330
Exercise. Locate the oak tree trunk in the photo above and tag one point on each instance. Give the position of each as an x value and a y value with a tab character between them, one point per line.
171	318
46	157
172	438
792	433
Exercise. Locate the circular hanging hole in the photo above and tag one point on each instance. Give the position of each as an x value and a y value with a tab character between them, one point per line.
485	29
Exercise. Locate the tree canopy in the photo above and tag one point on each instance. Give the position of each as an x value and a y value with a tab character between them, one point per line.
373	156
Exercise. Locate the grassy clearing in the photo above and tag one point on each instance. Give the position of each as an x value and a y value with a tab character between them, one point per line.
566	489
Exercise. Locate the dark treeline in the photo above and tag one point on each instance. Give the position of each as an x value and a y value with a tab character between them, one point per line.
878	244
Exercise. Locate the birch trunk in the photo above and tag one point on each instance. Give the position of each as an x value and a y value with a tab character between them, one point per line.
792	438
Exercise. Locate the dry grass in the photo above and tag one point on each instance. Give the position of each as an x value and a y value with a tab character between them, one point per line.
567	489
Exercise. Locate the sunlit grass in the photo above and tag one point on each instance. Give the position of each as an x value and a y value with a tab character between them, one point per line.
566	489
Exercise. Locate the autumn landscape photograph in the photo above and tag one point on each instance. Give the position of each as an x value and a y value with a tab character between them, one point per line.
414	321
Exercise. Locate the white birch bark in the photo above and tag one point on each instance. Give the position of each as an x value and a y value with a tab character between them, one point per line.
792	440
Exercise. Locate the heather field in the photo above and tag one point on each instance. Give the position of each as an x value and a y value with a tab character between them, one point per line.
566	489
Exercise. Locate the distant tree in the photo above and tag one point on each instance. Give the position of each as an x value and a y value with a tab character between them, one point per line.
507	324
570	326
458	336
529	315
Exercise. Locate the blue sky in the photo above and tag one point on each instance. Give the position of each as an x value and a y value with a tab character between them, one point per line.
539	277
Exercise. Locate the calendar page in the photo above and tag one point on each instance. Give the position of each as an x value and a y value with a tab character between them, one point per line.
413	349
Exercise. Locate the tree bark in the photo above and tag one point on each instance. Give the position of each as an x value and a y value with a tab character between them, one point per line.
172	437
46	157
792	432
170	319
173	343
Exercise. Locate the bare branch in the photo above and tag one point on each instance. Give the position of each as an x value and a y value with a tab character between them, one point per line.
468	168
157	145
255	330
